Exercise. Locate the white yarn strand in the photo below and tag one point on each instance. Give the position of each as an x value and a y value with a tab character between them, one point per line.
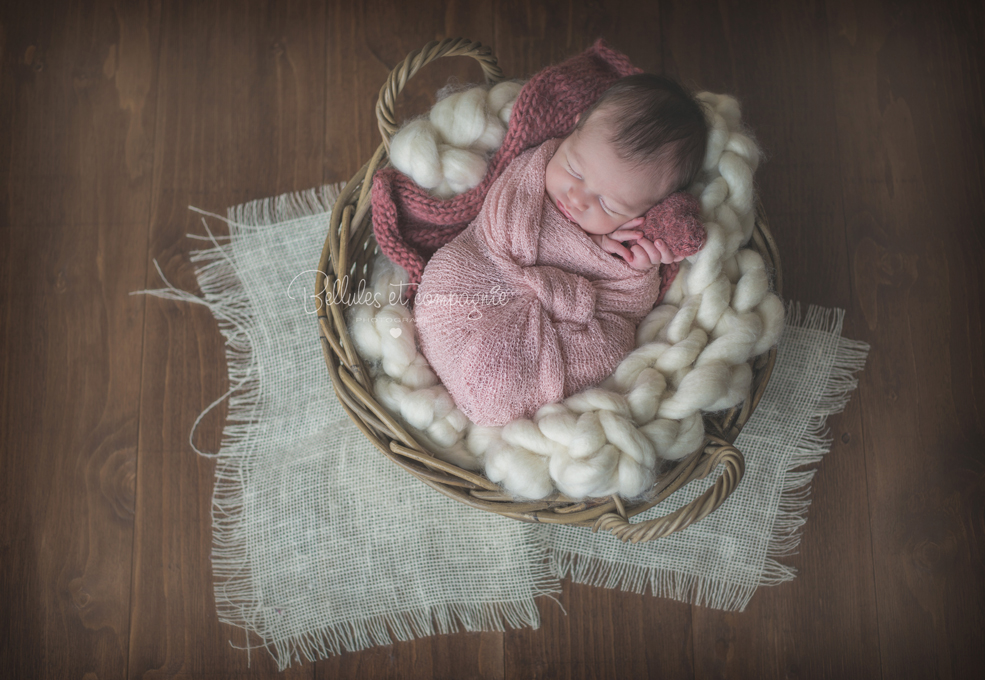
446	151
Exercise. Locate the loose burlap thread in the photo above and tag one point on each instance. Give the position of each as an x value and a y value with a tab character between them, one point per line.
322	545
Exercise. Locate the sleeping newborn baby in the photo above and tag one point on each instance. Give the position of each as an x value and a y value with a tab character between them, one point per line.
540	296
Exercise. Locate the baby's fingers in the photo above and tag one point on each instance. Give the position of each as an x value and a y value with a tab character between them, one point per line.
639	258
666	255
652	250
624	234
615	248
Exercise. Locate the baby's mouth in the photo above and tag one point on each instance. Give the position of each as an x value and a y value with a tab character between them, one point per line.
564	211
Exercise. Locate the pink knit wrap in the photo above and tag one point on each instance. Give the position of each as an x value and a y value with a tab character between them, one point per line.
410	224
522	308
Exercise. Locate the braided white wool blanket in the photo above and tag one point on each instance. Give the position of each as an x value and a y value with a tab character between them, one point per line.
692	356
447	152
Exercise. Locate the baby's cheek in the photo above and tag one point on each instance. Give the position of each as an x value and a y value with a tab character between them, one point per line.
550	182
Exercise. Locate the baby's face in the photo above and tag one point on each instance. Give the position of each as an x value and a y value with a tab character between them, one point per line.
596	189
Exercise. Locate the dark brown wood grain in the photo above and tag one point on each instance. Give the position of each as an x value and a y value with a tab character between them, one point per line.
908	99
240	102
77	192
115	116
601	633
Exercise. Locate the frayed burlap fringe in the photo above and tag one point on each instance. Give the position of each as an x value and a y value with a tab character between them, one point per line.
636	578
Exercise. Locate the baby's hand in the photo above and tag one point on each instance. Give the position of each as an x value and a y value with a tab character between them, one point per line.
636	256
642	254
664	254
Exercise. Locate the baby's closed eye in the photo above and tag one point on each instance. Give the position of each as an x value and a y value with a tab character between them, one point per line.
606	208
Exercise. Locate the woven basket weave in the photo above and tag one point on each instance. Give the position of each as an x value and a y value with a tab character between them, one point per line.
346	259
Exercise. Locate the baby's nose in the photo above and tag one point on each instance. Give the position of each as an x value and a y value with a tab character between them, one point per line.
577	198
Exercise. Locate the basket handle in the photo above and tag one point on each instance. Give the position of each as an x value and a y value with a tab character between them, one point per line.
395	82
694	511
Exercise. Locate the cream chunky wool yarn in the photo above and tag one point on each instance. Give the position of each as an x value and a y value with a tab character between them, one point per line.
445	152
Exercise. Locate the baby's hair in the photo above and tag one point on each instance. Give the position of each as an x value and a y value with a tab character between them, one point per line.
655	118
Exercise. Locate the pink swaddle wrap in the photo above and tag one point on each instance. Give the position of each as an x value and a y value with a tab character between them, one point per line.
522	309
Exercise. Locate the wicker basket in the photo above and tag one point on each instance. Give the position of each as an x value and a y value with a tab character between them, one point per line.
350	248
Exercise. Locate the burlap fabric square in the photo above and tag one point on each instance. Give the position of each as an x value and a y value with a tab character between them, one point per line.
321	545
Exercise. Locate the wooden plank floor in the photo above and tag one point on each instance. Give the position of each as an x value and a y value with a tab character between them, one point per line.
116	116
